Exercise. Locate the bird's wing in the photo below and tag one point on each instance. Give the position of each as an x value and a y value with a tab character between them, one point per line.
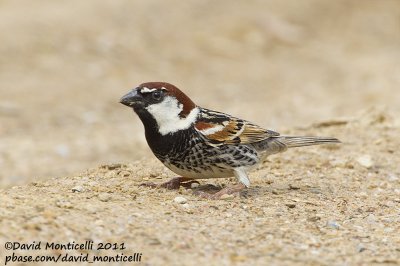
219	128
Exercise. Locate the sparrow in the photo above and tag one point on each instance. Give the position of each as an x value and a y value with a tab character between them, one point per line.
199	143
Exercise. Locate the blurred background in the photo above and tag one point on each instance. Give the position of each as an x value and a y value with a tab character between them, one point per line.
282	64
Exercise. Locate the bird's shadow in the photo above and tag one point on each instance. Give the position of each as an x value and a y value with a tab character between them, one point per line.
246	193
253	191
207	188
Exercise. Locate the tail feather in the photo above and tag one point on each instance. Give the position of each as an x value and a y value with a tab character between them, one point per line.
295	141
278	144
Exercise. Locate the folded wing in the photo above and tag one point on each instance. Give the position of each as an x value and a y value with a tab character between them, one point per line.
219	128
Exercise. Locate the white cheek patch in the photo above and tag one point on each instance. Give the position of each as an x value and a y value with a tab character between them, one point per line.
166	113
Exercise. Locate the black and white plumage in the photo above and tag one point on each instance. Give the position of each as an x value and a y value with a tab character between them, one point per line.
199	143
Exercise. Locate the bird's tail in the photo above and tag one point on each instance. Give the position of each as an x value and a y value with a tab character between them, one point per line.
277	144
291	142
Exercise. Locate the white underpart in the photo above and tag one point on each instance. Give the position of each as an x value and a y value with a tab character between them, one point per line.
212	130
241	175
146	90
166	113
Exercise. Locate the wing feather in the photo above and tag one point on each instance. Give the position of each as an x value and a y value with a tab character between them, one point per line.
219	128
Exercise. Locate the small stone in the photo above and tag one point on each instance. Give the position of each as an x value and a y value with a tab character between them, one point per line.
371	219
293	187
290	205
314	218
363	194
388	230
113	166
316	190
10	109
227	197
154	175
64	204
365	161
393	177
104	197
349	165
360	248
194	185
180	200
154	241
237	258
187	208
99	222
92	208
77	189
333	224
62	150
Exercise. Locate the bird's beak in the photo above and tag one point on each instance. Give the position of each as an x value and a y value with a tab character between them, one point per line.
131	98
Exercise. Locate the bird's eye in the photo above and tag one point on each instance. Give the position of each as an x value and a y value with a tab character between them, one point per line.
156	95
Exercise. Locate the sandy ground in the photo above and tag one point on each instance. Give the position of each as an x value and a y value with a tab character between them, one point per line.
328	68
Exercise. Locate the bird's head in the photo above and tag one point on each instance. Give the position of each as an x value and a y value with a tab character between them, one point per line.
164	104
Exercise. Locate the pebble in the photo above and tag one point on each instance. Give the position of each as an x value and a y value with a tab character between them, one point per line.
333	224
194	185
365	161
90	117
9	109
65	204
77	189
393	177
99	222
92	208
314	218
388	230
238	258
227	197
180	200
316	190
104	197
187	208
371	219
154	241
360	248
62	150
290	205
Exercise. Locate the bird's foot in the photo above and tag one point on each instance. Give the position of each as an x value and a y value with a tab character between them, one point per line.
174	183
231	190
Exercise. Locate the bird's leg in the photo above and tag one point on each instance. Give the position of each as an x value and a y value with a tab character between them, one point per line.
227	190
173	183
